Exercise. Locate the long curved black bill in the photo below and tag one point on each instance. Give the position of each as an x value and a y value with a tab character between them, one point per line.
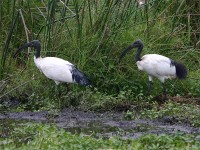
26	45
125	51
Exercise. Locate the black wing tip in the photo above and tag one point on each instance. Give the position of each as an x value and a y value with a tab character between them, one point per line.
85	81
181	70
80	78
89	84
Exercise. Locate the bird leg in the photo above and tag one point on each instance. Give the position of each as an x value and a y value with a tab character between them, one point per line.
164	92
58	90
149	88
67	87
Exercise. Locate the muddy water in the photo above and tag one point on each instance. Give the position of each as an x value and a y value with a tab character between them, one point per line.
105	124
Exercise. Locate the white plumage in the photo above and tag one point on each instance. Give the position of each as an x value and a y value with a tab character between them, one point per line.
55	68
156	65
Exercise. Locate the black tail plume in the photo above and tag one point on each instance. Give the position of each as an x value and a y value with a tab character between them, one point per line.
181	70
80	77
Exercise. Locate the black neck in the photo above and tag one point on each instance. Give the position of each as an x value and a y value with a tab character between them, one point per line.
137	56
37	54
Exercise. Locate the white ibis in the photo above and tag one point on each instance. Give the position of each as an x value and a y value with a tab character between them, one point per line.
156	65
55	68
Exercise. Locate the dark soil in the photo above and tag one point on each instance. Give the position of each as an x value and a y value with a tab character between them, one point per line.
104	124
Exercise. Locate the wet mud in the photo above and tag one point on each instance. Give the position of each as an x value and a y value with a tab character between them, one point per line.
106	124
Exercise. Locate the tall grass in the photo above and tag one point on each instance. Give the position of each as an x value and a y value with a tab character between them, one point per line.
92	34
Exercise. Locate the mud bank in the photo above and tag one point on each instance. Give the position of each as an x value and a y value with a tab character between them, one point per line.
105	124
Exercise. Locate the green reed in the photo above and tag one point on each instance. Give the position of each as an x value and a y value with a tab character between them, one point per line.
92	34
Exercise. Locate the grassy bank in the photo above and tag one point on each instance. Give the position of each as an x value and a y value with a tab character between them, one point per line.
92	34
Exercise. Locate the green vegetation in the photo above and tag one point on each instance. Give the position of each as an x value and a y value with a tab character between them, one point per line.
92	34
183	112
40	136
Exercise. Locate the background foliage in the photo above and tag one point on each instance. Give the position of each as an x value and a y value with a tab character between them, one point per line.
92	34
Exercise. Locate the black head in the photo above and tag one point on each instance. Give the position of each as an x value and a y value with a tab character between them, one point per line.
137	43
34	43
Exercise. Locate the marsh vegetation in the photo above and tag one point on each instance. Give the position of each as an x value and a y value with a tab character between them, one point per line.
92	34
